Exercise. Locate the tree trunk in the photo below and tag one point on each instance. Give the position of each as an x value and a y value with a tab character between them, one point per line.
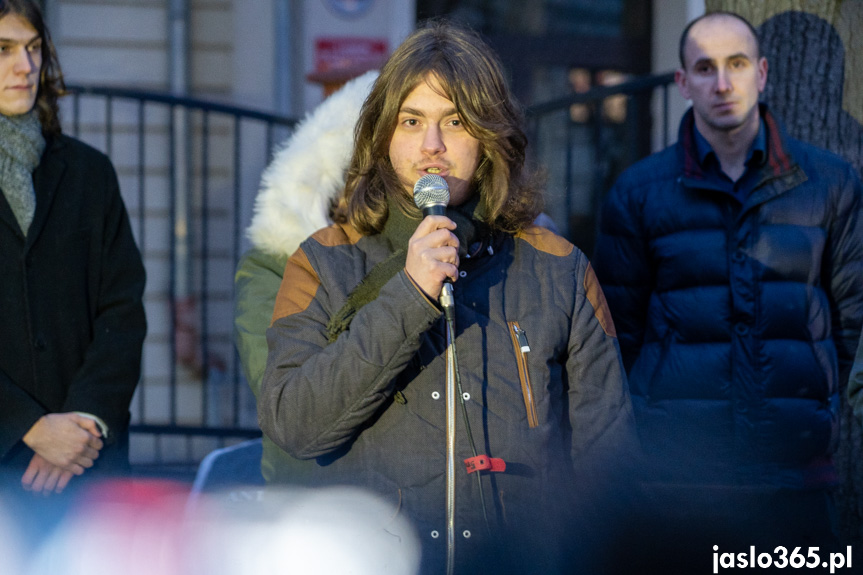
815	87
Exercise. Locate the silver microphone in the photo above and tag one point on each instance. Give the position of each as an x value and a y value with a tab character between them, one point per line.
431	195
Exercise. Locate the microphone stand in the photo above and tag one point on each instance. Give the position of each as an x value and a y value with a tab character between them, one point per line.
453	391
431	195
448	303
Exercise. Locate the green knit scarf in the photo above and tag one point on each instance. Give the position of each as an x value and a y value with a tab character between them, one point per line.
397	231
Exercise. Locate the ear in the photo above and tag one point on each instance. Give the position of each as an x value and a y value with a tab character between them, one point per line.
762	74
682	85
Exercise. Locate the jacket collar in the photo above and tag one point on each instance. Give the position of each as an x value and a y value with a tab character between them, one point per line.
779	160
756	154
46	180
779	168
471	230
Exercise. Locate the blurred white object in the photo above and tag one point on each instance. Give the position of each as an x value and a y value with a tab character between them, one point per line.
144	528
335	530
133	527
10	544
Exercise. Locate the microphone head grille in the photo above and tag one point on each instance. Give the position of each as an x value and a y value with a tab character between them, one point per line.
431	190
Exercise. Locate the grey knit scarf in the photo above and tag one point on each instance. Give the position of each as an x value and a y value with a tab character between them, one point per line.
21	147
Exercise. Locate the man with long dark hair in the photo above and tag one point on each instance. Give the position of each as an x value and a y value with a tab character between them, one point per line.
71	315
357	371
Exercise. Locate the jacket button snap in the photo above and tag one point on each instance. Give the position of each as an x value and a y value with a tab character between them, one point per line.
435	395
465	396
741	329
462	274
435	534
466	534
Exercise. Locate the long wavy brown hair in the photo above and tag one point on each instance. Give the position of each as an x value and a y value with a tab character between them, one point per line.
51	85
472	77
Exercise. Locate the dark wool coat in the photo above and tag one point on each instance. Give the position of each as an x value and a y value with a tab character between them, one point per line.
737	322
72	320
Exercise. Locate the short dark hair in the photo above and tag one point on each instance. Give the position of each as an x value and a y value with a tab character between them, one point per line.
685	35
51	85
472	77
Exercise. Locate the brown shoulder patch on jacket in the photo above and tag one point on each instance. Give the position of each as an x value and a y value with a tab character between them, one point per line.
299	285
546	241
337	235
597	300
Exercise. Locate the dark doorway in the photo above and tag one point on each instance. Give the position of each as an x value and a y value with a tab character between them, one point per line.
552	49
541	41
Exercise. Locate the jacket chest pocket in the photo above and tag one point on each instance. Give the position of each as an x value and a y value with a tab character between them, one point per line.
522	348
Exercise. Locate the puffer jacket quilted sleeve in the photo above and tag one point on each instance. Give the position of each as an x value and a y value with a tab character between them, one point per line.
623	262
843	268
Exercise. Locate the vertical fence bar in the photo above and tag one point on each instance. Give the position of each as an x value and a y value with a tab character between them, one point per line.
638	101
235	364
567	175
141	231
665	114
270	141
76	114
599	161
142	162
205	240
109	126
172	270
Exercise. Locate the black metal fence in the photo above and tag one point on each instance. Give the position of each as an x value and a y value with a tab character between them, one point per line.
189	172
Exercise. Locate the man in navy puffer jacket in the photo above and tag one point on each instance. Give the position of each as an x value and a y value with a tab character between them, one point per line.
733	266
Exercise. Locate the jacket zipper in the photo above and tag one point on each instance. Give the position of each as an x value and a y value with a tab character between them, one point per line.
522	348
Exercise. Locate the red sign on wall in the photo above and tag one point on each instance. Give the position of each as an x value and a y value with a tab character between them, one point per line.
342	53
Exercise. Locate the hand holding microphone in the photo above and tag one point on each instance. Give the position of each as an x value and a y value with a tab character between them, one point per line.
432	257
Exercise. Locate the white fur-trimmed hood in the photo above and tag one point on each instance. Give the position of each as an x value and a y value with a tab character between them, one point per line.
308	171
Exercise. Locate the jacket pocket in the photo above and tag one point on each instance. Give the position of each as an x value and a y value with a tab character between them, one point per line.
521	348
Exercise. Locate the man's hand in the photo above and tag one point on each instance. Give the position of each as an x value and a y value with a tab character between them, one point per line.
433	255
44	477
67	440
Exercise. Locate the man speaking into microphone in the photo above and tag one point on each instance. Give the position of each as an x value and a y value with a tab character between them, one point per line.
357	375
